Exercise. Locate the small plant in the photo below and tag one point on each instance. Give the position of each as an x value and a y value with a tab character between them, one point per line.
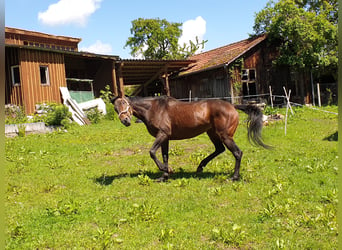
144	212
106	239
176	151
234	237
106	96
197	157
215	191
21	130
64	208
15	114
144	180
182	182
94	115
58	115
167	234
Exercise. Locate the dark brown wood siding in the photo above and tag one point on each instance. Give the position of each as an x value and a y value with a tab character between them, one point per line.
13	92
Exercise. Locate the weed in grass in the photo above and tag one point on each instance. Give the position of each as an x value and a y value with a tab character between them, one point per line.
54	165
106	239
167	234
232	237
143	212
176	151
216	191
182	182
197	157
144	180
64	208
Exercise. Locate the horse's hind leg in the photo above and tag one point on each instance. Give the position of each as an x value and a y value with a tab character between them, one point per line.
219	148
230	144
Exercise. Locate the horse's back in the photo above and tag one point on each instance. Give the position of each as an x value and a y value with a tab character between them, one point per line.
189	119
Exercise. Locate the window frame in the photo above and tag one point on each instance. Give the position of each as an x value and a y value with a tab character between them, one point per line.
247	82
14	82
46	73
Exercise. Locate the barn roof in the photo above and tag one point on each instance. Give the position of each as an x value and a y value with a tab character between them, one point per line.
136	72
222	55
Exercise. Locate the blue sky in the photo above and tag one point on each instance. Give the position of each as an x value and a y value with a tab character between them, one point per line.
104	25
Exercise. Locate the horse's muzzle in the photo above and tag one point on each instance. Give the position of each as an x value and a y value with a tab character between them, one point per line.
126	121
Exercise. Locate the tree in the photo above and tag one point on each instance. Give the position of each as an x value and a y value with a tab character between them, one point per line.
158	39
305	30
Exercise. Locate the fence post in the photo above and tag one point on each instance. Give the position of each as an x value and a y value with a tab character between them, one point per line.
271	96
318	95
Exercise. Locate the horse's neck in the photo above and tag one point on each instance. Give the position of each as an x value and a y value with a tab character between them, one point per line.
141	108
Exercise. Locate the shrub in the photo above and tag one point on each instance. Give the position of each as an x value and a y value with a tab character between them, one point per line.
106	96
94	115
58	115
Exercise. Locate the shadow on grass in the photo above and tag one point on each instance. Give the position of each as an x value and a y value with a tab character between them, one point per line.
109	179
332	137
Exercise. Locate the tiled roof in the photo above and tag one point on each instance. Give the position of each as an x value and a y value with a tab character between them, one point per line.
222	55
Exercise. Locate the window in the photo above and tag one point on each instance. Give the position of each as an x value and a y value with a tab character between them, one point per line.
44	75
15	72
249	82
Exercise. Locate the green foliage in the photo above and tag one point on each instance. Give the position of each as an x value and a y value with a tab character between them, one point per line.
94	115
15	115
58	115
306	31
158	39
233	236
106	96
144	212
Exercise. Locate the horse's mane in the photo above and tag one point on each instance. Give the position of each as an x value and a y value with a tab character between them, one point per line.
161	101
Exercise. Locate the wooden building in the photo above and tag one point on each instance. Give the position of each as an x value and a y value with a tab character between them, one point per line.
239	72
38	64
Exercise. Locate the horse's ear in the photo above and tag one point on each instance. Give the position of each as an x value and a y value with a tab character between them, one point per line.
112	100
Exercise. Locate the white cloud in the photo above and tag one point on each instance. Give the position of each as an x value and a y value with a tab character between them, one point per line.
69	12
99	48
191	29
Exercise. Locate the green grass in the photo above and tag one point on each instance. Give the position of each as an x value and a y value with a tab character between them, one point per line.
93	188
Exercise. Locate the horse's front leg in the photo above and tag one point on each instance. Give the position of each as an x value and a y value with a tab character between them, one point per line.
161	140
165	155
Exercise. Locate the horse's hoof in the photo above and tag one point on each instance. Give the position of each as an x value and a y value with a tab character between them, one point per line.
164	178
235	178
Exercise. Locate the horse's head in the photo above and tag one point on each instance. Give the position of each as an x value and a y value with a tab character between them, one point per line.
124	110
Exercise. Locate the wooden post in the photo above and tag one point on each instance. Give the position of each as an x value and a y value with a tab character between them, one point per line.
271	96
287	106
167	87
115	85
121	91
319	95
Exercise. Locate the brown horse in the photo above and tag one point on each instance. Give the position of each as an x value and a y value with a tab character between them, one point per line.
169	119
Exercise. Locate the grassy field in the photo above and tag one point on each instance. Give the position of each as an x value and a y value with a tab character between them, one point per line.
92	188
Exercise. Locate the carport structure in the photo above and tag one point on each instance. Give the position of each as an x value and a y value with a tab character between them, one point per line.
128	72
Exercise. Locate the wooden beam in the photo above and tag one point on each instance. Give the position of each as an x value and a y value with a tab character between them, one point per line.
156	75
166	85
121	91
115	85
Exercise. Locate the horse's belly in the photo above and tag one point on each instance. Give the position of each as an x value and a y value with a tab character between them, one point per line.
186	133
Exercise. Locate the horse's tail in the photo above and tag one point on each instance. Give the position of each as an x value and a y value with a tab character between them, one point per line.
254	123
